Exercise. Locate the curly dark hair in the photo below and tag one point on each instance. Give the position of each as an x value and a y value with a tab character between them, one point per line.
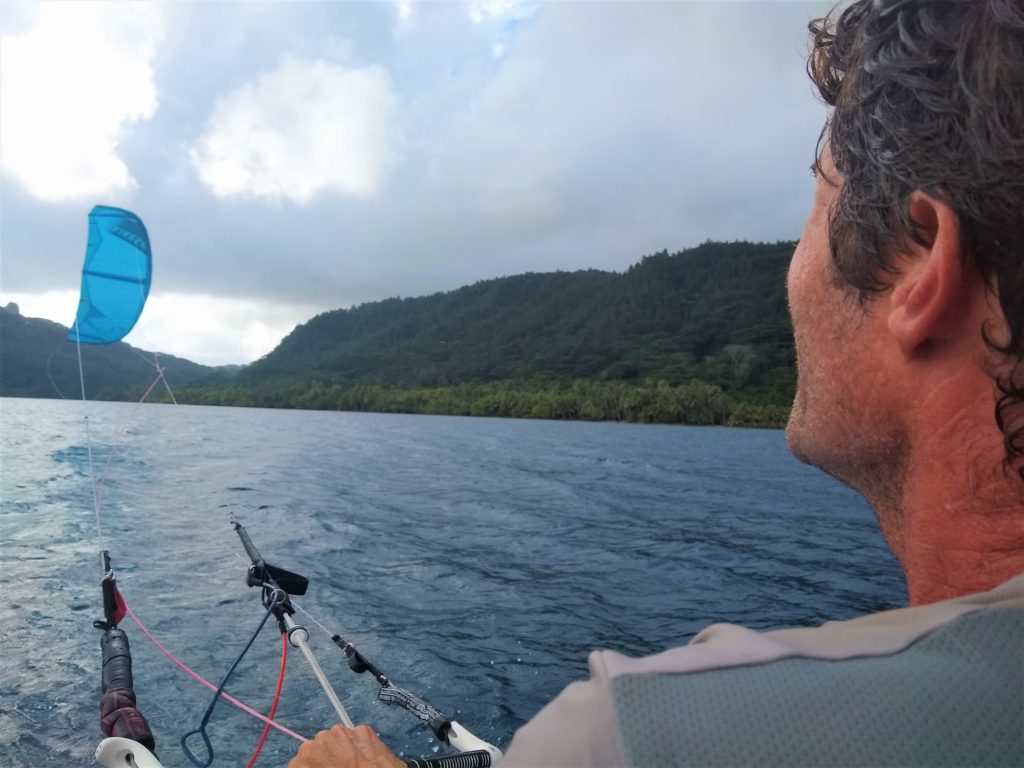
929	95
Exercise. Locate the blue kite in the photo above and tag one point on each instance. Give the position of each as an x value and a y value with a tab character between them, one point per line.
115	277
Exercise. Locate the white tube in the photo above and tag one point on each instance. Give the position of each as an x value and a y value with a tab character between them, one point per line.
117	752
298	636
464	741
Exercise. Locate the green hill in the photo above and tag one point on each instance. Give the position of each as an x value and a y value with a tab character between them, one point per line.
37	360
716	312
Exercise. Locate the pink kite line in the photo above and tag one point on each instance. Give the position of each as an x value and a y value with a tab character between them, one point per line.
230	699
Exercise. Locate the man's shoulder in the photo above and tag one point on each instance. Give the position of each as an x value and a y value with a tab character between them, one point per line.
937	684
902	685
728	645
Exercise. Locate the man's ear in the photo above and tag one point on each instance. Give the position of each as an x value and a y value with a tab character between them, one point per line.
929	294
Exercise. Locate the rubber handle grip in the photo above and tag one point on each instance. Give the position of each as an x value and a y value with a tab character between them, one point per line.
438	723
478	758
250	548
117	660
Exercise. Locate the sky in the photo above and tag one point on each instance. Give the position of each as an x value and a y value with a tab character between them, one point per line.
290	158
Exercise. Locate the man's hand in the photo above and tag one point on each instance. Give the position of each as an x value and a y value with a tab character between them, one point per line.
342	747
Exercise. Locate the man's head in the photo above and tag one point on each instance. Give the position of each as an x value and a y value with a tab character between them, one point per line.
927	119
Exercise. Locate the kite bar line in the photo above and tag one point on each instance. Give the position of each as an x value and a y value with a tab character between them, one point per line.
98	497
88	441
277	700
273	602
98	486
155	362
196	676
49	375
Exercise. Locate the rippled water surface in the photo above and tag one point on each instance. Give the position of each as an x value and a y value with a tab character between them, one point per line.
476	561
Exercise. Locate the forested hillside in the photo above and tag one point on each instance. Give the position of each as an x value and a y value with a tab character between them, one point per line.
586	344
37	360
717	312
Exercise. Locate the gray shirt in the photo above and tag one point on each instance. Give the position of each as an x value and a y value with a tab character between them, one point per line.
939	684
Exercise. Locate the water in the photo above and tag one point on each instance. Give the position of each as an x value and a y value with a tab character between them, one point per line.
476	561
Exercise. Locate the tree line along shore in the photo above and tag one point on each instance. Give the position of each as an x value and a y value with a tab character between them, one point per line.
694	402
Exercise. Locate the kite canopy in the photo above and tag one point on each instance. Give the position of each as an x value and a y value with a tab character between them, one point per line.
115	278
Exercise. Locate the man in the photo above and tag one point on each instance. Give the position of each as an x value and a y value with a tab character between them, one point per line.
907	299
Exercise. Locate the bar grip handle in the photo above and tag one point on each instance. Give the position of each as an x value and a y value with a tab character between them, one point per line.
479	758
119	715
117	660
250	548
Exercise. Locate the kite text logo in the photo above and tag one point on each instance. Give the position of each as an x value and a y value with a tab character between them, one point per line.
130	237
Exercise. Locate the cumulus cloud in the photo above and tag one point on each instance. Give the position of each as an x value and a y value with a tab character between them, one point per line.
58	306
72	82
306	127
215	330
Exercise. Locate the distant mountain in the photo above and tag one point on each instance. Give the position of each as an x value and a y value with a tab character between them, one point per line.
715	313
37	360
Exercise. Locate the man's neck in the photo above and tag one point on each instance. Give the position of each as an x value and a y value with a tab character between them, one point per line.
959	524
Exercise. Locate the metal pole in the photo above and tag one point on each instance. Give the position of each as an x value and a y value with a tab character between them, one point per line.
298	636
